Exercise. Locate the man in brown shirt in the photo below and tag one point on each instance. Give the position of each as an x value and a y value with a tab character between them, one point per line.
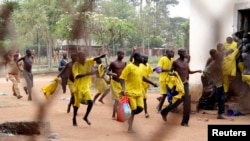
12	73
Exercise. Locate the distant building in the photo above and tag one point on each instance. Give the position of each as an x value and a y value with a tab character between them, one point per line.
79	45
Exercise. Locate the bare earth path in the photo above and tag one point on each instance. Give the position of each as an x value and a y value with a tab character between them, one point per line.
103	127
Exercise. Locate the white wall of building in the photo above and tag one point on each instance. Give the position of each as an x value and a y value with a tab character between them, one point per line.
211	21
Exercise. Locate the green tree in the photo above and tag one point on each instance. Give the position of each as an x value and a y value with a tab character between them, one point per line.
185	28
35	21
176	33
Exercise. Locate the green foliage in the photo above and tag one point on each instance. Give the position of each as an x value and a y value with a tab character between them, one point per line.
176	32
185	28
155	41
110	31
117	24
63	27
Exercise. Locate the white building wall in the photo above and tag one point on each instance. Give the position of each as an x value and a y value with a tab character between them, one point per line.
211	21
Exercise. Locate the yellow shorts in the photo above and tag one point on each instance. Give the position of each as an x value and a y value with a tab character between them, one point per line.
116	89
135	101
71	86
163	88
101	85
79	94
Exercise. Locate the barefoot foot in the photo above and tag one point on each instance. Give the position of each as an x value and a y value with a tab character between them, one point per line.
87	121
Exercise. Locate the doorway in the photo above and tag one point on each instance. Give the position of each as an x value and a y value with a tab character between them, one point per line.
244	20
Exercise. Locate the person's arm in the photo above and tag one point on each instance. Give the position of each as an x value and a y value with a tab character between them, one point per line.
86	74
173	67
149	81
20	64
109	72
63	70
20	59
99	57
165	70
122	82
192	72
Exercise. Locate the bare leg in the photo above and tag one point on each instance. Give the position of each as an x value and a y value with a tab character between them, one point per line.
96	96
145	108
90	105
71	102
130	123
103	95
161	102
114	109
74	115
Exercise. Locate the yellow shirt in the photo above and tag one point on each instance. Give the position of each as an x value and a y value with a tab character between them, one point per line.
146	71
77	68
165	63
133	79
232	46
101	70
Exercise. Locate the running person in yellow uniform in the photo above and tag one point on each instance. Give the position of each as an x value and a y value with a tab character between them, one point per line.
82	71
146	70
165	63
100	83
131	81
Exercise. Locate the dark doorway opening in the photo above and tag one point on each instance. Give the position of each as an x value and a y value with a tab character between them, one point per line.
244	20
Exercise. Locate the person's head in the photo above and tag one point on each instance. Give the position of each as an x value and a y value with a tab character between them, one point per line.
73	57
99	61
229	40
120	54
214	54
137	57
81	57
220	47
16	56
28	52
182	52
64	56
169	53
172	53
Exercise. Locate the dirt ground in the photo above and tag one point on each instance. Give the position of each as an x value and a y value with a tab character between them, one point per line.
102	126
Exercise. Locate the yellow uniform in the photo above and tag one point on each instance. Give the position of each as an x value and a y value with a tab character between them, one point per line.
175	80
232	46
82	85
146	71
229	68
165	63
100	83
132	76
116	89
